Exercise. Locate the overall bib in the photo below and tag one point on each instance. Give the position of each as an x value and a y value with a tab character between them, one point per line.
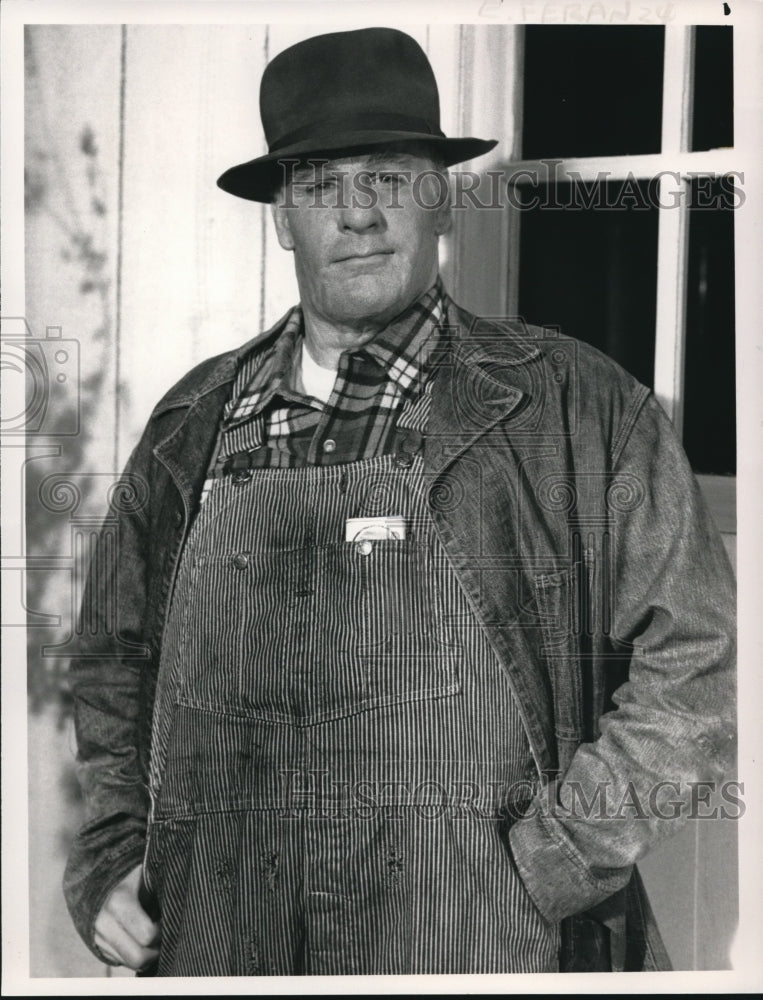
337	756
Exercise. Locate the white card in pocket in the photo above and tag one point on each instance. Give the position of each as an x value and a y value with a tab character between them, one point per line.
374	529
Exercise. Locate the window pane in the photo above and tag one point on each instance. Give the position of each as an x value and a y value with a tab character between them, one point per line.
592	91
713	123
592	270
709	407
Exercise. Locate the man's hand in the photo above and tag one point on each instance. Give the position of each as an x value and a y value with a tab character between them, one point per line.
123	930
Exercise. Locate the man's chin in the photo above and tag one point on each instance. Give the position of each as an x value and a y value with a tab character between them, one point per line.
363	301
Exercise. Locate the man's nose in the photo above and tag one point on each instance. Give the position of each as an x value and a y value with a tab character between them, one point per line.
358	216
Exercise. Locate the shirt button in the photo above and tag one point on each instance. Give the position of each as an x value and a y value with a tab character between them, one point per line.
241	560
365	548
329	445
178	518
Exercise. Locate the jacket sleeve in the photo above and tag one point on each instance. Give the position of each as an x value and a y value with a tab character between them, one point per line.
105	680
674	721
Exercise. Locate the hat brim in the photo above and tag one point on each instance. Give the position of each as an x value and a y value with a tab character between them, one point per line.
259	179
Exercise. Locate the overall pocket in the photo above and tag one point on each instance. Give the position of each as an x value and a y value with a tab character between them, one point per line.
308	635
560	611
407	651
214	617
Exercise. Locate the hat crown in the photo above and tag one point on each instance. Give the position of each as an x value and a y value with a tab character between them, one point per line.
372	77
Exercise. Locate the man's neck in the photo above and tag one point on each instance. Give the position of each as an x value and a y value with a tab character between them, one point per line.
326	341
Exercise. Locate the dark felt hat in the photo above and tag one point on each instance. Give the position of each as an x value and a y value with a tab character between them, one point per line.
349	91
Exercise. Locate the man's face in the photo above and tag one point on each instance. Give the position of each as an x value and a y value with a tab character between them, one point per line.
364	232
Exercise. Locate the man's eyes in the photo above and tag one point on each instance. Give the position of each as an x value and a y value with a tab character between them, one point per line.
323	188
310	188
387	178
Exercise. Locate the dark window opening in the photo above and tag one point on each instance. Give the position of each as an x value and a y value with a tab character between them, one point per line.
710	383
592	91
713	123
591	271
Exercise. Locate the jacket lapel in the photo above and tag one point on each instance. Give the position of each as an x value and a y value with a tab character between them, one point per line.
478	385
483	383
468	402
187	450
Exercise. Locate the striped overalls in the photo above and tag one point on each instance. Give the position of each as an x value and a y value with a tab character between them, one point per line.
336	755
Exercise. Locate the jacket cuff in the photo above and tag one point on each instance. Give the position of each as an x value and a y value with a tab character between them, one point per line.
556	878
86	893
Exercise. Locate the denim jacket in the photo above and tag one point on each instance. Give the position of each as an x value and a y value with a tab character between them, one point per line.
577	530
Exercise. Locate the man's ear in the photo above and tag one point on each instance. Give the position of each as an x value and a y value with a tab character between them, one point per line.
444	217
444	220
281	221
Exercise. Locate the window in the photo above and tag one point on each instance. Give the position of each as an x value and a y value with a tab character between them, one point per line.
621	144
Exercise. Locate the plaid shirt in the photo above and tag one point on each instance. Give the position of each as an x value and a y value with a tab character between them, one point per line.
379	404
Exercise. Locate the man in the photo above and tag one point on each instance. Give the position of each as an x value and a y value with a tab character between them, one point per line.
436	625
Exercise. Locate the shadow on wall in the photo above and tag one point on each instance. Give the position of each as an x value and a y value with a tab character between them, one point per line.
55	812
60	479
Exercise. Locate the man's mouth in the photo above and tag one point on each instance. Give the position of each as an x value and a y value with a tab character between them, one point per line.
364	255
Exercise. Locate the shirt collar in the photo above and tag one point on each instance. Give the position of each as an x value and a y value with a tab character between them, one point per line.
403	349
262	375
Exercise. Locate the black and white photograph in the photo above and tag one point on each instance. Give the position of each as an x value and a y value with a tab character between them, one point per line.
381	461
